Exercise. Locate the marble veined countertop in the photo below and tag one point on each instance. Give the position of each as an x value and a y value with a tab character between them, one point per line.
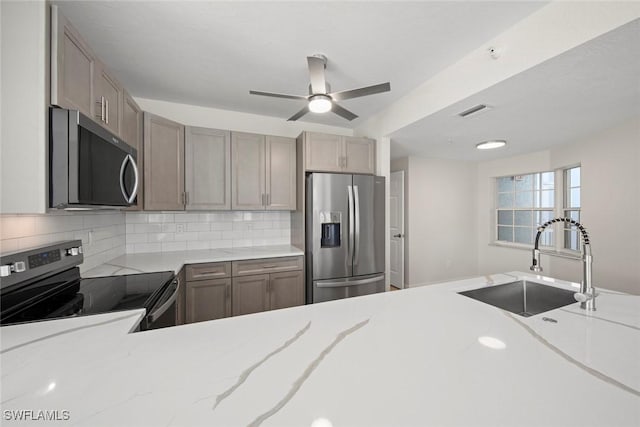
173	261
423	356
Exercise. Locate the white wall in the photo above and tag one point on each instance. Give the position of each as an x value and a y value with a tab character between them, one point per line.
178	231
441	231
102	233
193	115
610	196
23	106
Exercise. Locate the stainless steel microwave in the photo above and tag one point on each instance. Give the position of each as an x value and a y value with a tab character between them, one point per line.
89	167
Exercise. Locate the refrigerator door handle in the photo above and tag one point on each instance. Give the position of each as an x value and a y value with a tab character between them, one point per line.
352	221
333	284
356	246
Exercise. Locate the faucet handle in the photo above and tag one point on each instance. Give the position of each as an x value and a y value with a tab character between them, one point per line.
584	297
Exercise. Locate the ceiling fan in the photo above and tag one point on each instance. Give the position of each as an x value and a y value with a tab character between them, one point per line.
319	99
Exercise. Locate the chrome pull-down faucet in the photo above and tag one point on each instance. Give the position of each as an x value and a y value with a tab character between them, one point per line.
587	294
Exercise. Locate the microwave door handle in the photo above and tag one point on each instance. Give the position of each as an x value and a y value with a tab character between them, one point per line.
164	307
129	199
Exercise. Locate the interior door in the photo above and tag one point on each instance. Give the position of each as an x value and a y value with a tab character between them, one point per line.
328	228
396	220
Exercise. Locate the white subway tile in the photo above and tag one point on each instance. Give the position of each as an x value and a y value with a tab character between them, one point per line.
189	217
136	217
221	226
15	226
161	237
197	226
147	247
198	245
219	244
210	235
161	217
169	228
188	236
174	246
137	238
148	228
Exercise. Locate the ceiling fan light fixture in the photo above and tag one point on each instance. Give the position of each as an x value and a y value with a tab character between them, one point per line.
320	103
491	144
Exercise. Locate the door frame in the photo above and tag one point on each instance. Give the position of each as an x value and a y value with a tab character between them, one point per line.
395	177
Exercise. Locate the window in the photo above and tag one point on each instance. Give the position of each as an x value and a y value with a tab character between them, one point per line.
523	203
572	207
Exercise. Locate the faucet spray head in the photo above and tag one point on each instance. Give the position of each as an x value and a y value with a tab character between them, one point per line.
535	265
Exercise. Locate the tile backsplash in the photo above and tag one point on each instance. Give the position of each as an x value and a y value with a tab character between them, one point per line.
176	231
103	234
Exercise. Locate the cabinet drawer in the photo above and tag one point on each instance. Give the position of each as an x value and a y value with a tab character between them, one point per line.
212	270
266	265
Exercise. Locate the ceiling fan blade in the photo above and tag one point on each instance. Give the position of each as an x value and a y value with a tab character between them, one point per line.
276	95
299	114
363	91
343	112
316	74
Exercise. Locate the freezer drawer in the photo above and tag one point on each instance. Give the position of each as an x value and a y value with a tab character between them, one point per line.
327	290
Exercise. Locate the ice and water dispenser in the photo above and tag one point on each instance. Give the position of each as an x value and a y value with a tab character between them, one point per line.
330	236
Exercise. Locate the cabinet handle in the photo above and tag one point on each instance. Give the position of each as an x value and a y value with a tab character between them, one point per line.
270	266
106	101
206	273
101	116
268	199
186	197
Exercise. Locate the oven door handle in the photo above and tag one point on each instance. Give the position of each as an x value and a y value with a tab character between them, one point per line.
164	307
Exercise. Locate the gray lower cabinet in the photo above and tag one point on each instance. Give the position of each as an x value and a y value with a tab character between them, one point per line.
208	300
207	169
286	289
250	294
164	164
223	289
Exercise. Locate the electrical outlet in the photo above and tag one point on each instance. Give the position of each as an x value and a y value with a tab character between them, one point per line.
180	228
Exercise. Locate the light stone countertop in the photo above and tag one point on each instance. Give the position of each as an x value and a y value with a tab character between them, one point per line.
174	261
402	358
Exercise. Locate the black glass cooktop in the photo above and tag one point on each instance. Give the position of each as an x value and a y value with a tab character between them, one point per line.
66	294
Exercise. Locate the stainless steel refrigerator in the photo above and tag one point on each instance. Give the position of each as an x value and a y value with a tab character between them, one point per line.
345	236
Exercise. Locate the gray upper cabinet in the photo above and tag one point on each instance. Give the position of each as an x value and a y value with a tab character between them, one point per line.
131	132
72	67
359	155
335	153
263	172
280	173
323	152
164	164
108	94
207	169
248	169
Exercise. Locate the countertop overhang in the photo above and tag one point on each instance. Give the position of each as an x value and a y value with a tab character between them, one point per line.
403	358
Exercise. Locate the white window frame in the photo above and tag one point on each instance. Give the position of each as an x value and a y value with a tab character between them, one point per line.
560	189
565	197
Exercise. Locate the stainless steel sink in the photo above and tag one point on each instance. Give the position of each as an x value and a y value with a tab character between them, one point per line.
523	297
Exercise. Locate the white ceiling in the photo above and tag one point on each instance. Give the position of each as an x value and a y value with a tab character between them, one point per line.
587	89
213	53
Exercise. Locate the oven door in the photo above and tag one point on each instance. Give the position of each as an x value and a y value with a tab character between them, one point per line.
164	312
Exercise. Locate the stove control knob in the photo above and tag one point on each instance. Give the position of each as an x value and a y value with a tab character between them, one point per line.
19	267
5	270
72	251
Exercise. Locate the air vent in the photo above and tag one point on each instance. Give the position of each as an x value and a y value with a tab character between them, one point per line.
474	110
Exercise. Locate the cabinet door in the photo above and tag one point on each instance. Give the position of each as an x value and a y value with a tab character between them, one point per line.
207	168
108	94
280	173
323	152
72	67
249	294
286	289
132	135
248	171
163	164
360	155
208	300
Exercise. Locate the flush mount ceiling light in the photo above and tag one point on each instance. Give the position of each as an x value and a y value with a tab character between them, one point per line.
320	104
491	144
